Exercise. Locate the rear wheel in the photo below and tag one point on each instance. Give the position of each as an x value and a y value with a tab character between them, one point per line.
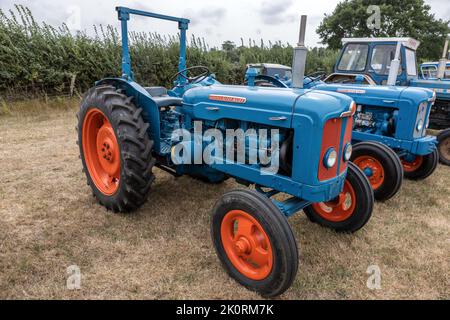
351	209
444	147
115	149
382	167
254	242
420	167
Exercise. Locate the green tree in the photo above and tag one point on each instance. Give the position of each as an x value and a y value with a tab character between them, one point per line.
401	18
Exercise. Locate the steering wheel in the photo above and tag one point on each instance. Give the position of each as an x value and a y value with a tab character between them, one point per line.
318	75
200	77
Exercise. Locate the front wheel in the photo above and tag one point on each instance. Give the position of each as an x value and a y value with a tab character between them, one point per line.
420	167
254	242
382	167
351	209
444	147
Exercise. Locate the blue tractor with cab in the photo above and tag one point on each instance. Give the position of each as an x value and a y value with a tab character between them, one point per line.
392	61
283	140
389	128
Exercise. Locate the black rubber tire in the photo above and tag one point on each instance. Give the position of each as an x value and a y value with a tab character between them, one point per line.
429	164
392	166
136	159
444	142
364	204
275	225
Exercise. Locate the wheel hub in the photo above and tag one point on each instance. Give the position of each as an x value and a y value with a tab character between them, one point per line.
107	150
243	246
373	170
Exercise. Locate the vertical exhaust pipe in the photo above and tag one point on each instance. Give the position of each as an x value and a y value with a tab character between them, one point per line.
299	59
443	61
395	66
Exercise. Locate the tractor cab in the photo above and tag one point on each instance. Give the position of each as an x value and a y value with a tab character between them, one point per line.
377	60
278	71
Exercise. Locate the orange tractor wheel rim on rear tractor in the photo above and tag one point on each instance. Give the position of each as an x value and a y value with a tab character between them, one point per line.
372	168
413	165
339	209
247	245
101	151
444	148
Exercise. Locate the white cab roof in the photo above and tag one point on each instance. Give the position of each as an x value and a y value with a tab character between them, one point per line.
269	65
407	42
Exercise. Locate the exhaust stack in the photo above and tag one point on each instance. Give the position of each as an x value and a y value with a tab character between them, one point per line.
443	61
395	66
299	60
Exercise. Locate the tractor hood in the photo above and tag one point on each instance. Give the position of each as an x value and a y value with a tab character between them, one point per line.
380	95
263	104
355	90
441	87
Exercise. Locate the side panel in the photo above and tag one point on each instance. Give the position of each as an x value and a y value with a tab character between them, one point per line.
442	88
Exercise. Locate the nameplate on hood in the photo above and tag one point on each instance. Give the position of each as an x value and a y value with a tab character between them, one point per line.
359	91
222	98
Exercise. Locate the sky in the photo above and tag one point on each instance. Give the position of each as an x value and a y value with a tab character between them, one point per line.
216	21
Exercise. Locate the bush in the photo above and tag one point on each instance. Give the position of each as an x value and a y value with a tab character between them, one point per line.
38	59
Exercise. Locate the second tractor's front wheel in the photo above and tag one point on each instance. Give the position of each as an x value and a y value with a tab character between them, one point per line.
254	242
420	167
351	209
382	167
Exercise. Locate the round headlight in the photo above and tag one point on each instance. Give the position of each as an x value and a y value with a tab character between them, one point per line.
348	151
330	158
419	126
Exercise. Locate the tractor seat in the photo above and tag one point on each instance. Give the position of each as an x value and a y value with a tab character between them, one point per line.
161	98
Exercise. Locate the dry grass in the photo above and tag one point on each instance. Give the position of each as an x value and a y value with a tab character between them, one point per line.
49	221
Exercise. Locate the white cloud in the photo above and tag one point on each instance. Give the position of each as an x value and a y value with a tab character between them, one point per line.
215	21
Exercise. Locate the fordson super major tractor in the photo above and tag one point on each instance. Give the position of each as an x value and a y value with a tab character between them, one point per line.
389	128
392	61
125	129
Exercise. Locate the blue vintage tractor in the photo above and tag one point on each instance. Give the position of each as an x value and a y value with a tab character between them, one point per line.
386	116
392	61
125	129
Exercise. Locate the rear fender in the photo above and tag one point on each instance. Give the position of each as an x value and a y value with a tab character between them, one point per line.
142	99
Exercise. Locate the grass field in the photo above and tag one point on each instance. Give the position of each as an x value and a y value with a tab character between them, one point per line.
50	221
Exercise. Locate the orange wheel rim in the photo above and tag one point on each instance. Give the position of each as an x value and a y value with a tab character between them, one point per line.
101	151
372	168
339	209
413	165
247	245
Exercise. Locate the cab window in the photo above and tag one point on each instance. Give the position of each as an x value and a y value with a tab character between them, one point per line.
382	55
447	73
354	57
282	73
411	68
